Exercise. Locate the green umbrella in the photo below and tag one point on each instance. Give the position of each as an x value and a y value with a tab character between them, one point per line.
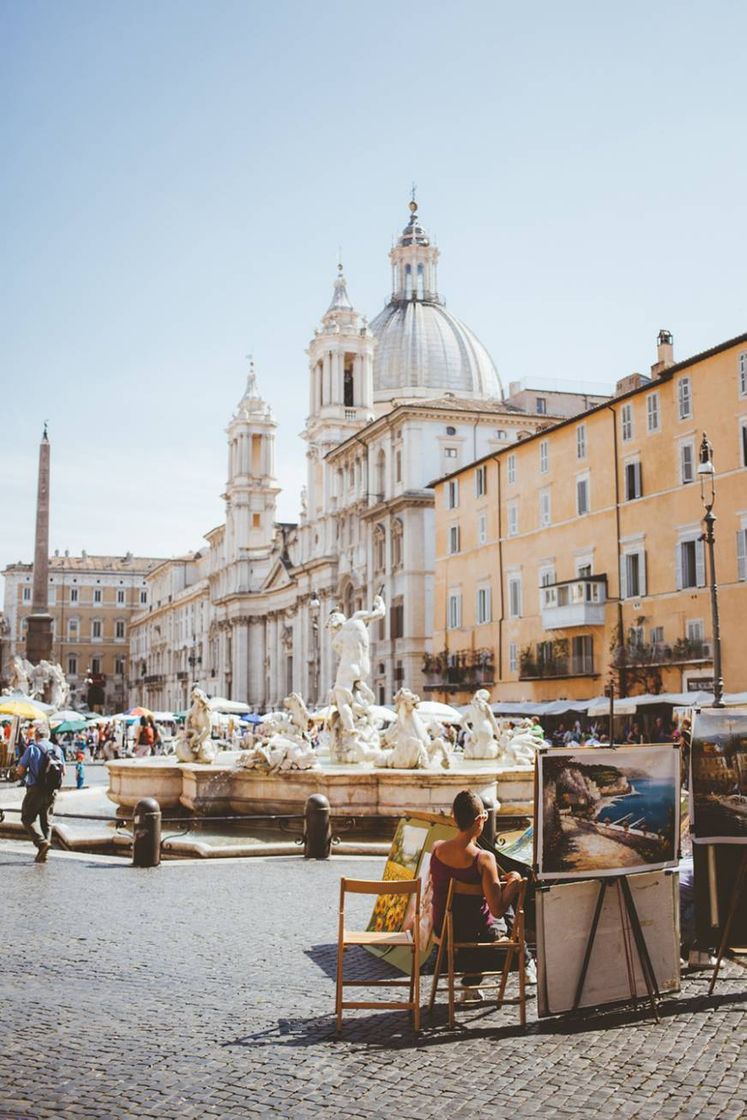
71	725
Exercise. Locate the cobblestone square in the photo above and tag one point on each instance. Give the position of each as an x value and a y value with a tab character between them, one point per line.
206	990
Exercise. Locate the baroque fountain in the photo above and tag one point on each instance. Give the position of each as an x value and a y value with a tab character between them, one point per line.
365	767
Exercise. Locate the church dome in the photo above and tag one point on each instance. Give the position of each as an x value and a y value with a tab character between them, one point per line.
422	349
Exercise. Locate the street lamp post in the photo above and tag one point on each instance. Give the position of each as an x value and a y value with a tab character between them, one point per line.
314	606
707	475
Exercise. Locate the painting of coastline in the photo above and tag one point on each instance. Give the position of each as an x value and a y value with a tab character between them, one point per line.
718	777
607	812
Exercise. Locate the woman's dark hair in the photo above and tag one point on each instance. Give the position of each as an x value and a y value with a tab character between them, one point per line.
466	808
143	721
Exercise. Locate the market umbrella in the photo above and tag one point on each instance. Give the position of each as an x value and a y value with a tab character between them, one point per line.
439	711
65	714
138	712
71	725
24	709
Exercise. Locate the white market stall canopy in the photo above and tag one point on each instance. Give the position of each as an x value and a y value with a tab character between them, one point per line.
624	706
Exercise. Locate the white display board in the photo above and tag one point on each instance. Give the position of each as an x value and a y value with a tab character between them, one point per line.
564	918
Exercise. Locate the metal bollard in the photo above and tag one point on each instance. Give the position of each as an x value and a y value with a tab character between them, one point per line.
317	838
146	832
489	828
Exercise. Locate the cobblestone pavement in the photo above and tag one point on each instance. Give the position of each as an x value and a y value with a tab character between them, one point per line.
206	990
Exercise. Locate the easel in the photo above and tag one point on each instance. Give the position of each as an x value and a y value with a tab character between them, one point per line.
621	882
736	895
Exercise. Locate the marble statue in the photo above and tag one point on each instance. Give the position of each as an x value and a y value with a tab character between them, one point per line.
19	671
351	726
193	743
282	741
482	738
59	689
519	744
406	744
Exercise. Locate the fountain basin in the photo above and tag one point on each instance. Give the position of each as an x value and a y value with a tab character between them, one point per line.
221	789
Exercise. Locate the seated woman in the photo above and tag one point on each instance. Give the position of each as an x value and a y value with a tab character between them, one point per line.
475	918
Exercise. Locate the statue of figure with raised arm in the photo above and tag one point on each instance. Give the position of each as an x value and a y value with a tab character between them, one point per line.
482	733
350	640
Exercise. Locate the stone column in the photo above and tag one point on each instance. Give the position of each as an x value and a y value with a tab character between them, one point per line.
240	669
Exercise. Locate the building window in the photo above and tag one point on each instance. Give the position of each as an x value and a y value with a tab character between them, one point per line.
633	575
657	635
690	562
652	412
96	629
72	666
379	548
687	462
544	456
544	508
453	539
743	441
511	468
97	594
455	610
743	374
119	666
483	612
481	481
633	481
513	519
450	452
582	495
452	499
500	433
684	398
582	654
482	528
27	594
119	629
96	665
514	596
143	596
540	406
450	431
397	619
626	420
397	533
72	629
742	553
513	657
73	594
120	595
398	466
581	441
695	630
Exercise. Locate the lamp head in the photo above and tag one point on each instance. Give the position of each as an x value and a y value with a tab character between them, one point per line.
705	466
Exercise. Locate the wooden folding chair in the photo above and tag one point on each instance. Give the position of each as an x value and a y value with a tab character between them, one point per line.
512	946
409	939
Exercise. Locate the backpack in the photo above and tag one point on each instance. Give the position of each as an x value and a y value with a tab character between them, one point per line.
51	772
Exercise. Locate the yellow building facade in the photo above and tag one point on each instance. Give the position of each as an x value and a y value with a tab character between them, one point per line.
576	557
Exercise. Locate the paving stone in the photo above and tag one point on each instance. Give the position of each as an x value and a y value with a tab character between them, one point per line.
207	990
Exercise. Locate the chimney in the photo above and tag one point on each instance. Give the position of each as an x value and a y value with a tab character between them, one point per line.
664	353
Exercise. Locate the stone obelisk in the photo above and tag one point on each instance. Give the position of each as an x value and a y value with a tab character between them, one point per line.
39	633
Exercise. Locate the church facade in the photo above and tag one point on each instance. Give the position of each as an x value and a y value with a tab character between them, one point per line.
393	405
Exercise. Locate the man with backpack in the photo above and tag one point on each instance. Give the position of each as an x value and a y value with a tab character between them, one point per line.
42	766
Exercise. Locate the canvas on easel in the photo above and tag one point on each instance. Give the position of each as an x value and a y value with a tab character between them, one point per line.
614	974
718	776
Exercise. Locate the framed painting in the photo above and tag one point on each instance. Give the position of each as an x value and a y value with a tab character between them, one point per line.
718	776
606	811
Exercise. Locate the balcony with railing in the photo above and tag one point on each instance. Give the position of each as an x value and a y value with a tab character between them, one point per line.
549	660
680	652
461	671
574	602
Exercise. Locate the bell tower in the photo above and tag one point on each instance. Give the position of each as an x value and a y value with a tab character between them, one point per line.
251	490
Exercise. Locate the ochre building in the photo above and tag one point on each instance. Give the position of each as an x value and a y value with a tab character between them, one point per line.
576	556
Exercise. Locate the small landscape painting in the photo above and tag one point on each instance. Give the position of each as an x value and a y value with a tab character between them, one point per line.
607	812
718	777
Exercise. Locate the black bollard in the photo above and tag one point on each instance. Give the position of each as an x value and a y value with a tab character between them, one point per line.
146	832
318	835
488	832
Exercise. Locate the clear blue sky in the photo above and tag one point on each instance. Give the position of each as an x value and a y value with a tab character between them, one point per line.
178	176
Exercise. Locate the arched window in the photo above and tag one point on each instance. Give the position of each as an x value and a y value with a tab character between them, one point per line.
348	386
408	281
397	552
379	548
421	283
381	474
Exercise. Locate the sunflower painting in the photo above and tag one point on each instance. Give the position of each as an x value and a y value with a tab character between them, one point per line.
402	863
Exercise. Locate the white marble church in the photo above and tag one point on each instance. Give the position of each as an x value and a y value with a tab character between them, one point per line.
392	405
